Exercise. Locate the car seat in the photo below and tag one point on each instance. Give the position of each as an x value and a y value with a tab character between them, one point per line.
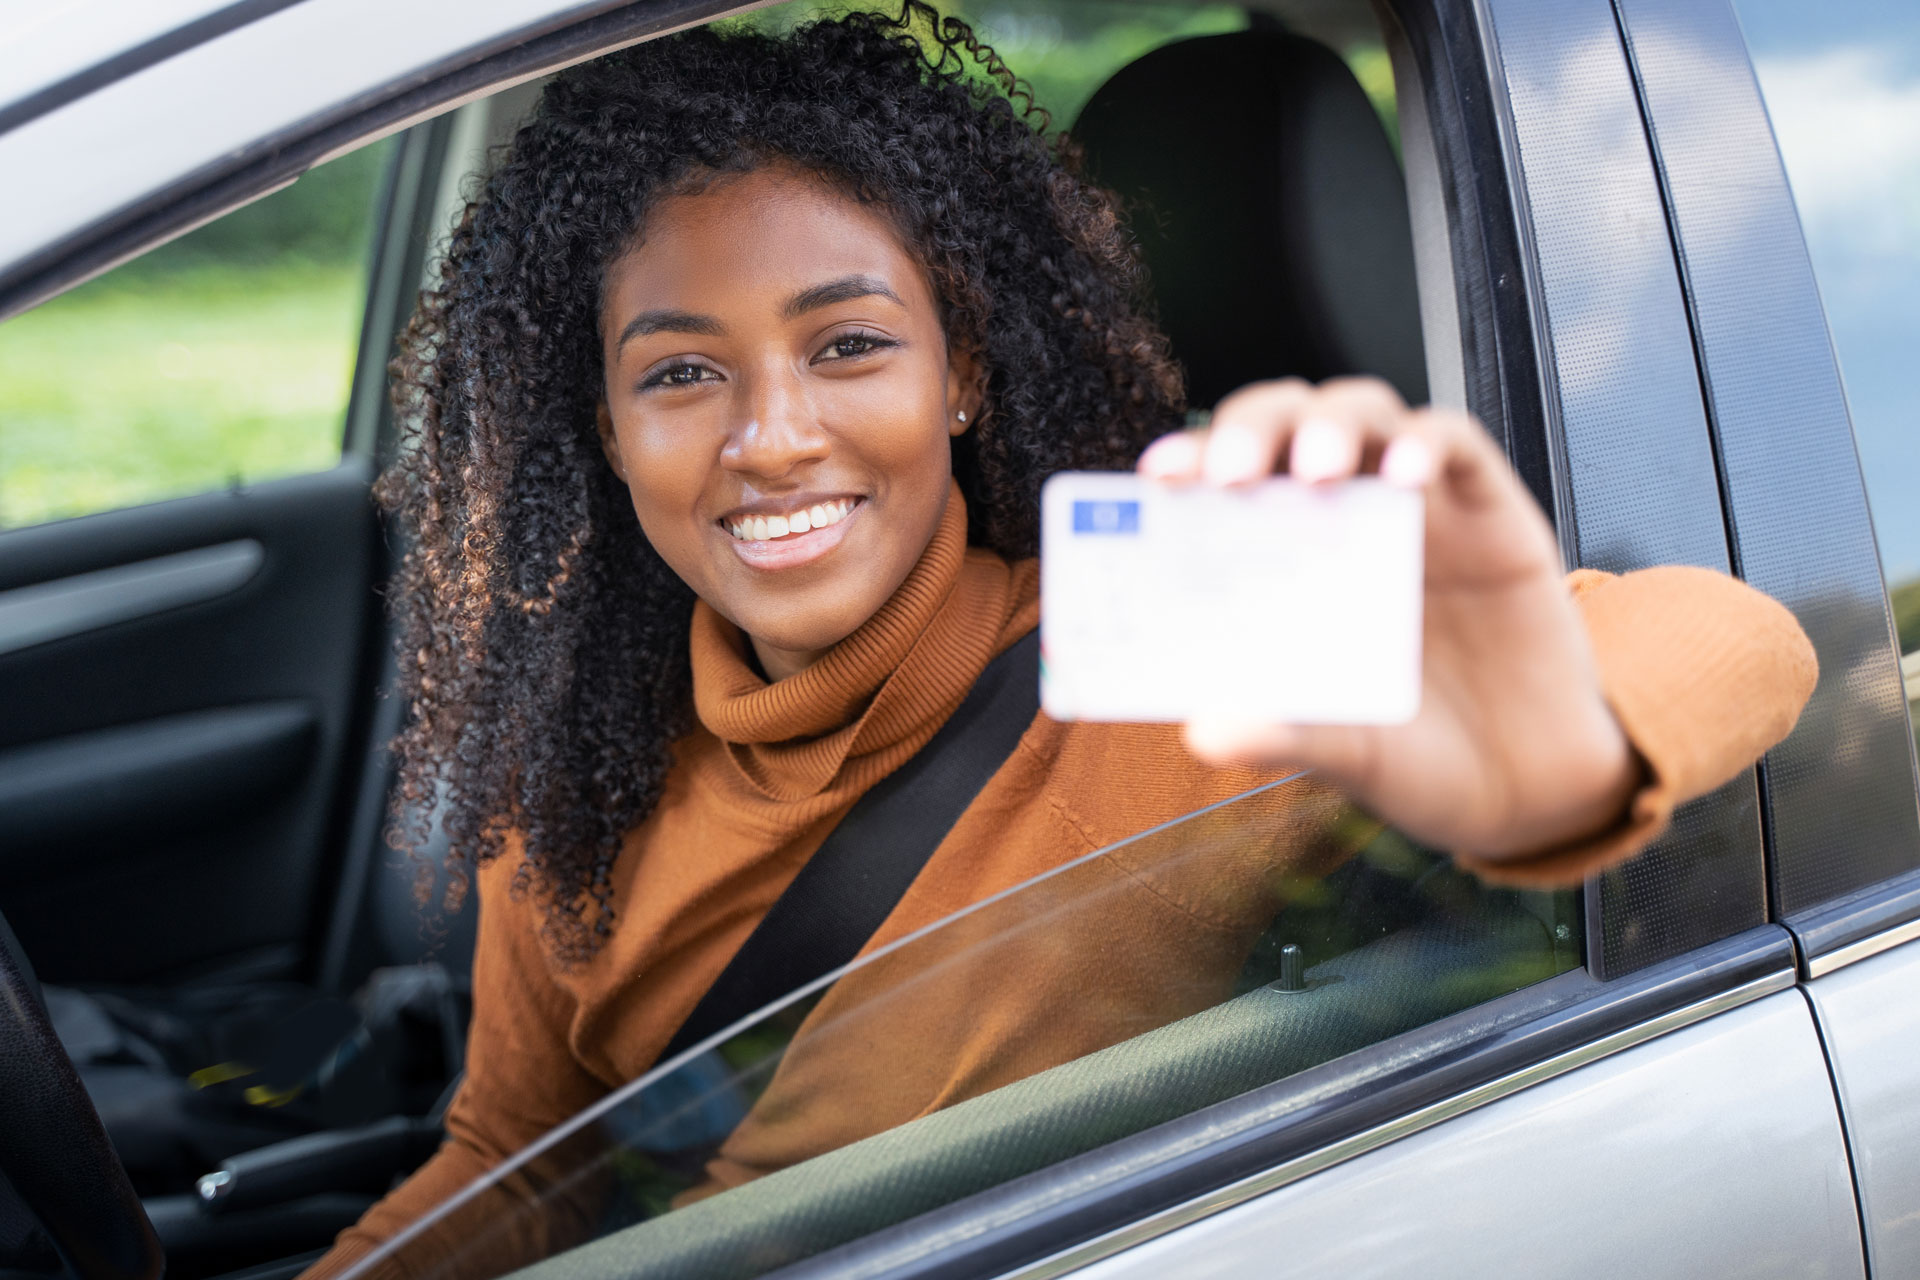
1270	208
346	1089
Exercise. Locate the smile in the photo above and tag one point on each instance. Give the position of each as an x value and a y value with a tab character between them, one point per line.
787	540
802	520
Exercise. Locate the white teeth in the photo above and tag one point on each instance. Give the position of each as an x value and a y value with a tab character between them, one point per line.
818	516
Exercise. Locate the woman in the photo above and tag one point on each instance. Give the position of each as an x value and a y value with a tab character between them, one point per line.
727	423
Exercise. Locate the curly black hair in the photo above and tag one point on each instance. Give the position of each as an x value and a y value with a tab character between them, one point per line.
543	642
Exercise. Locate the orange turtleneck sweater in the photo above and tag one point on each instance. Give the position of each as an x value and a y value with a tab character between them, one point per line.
1703	672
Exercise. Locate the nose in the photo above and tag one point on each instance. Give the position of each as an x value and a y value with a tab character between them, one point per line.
775	430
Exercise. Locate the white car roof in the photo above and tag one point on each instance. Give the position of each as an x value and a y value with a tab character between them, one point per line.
174	142
57	43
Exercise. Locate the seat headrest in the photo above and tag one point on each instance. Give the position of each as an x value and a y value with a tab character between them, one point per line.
1270	208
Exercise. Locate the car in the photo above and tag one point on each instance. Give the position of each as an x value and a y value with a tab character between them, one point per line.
1639	239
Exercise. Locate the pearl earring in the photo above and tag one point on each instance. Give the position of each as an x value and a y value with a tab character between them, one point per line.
962	415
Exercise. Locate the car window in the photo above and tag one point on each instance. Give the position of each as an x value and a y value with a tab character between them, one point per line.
220	359
1185	965
1842	87
1197	960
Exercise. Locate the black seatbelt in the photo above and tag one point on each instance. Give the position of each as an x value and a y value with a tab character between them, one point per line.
863	868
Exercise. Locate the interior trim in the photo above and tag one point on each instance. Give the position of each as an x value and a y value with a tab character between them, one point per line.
66	607
1359	1144
154	775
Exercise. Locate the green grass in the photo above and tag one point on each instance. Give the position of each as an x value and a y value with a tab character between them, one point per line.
154	385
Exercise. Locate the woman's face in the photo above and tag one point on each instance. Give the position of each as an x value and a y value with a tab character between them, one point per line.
779	399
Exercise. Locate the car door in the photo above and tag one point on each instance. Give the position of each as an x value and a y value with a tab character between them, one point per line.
187	607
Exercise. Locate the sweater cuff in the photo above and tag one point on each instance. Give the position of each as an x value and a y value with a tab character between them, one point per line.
1704	674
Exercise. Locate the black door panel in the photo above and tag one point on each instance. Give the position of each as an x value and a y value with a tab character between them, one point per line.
180	695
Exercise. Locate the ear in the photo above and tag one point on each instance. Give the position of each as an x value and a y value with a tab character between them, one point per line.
609	442
965	390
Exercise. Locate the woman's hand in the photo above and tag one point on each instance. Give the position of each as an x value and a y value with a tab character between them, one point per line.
1514	749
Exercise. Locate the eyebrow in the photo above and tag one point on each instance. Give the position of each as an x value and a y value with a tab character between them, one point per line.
670	321
845	289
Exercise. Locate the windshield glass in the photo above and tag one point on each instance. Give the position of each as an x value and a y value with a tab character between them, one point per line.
1241	943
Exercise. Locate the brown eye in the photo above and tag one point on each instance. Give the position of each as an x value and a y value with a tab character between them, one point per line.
678	375
849	346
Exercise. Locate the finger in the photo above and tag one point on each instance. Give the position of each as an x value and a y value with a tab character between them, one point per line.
1346	429
1319	434
1173	458
1324	449
1409	462
1250	431
1463	458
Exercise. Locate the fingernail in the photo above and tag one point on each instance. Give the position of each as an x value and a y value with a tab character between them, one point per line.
1235	456
1174	457
1321	451
1409	463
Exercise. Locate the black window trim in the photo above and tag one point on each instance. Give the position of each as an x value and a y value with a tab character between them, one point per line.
1843	892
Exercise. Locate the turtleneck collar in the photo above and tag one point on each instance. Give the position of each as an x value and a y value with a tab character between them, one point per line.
875	698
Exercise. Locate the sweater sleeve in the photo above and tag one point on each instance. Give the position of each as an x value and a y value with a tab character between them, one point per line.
1704	674
522	1079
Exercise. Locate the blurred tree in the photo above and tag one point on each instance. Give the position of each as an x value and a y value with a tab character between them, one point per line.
323	219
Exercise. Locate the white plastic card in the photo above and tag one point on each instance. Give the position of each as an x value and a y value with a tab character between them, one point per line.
1279	602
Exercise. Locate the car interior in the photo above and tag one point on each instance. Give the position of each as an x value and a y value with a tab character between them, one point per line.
267	1004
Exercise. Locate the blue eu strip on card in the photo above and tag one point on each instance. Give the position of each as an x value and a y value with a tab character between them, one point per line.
1106	517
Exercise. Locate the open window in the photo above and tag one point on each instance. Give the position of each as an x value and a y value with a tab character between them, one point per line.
1260	154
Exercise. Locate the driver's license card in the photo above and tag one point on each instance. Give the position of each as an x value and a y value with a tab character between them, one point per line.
1278	602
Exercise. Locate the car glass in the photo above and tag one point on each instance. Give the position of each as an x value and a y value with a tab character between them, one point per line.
1842	88
1232	947
220	359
